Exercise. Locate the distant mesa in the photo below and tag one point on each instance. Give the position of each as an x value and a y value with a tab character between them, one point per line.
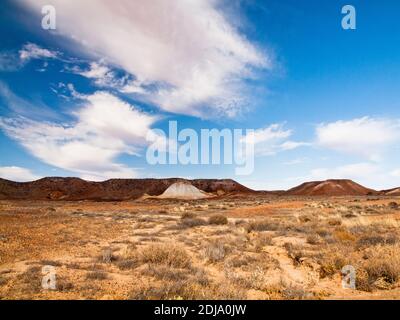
75	189
333	187
392	192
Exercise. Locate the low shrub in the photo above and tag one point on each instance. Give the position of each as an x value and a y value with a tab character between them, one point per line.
218	219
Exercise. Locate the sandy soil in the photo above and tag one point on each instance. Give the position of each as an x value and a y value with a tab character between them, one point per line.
253	247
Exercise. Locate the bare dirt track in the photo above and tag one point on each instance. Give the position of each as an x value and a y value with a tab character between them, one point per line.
231	247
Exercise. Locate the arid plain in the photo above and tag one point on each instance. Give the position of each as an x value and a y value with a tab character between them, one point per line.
234	246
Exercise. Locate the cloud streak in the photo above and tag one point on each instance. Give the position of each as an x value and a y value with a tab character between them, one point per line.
272	139
106	127
366	137
187	50
12	60
17	174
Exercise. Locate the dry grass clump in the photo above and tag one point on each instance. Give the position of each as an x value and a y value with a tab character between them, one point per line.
215	251
255	279
170	290
292	292
127	259
306	218
51	263
97	275
188	215
31	280
226	291
283	290
218	219
63	285
3	281
323	232
190	221
335	222
394	205
127	264
375	258
107	256
187	290
366	241
295	252
382	264
167	254
240	260
313	239
331	263
262	225
164	272
344	235
261	241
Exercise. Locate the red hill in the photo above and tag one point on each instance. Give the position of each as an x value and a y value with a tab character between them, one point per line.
331	188
114	189
392	192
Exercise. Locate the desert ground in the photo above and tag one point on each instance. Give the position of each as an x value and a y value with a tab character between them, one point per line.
238	247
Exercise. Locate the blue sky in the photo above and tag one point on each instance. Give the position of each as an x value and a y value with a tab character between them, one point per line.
80	100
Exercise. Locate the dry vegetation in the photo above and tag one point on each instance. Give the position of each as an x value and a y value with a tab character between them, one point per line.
229	248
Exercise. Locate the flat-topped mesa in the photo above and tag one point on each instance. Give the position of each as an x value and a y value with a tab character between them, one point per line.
74	189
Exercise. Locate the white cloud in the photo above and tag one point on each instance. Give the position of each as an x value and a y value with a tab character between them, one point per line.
351	171
396	173
369	174
272	139
367	137
17	174
271	133
32	51
187	49
104	77
106	127
12	61
95	71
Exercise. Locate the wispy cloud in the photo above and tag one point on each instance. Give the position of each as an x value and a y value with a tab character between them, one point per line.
13	60
367	137
272	139
24	107
17	174
32	51
104	77
396	173
188	50
106	127
351	171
